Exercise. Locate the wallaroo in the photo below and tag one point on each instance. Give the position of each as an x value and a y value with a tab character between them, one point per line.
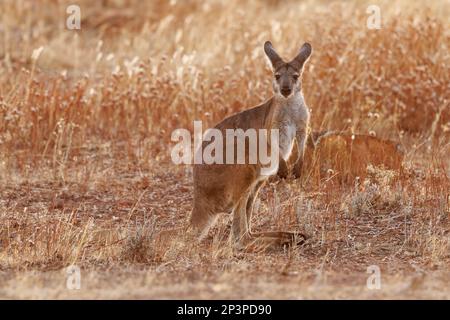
234	187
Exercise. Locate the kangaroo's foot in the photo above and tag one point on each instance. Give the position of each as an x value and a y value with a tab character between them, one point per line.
271	240
283	170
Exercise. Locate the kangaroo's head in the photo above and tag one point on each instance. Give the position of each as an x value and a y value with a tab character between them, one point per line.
287	76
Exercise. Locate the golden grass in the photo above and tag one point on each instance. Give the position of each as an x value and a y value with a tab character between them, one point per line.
85	169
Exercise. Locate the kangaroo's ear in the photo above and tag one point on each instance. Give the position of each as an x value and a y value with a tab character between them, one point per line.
302	57
272	55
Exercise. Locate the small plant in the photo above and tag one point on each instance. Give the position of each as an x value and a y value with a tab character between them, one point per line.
376	195
139	241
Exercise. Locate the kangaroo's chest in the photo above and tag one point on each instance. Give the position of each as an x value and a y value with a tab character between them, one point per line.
292	117
287	132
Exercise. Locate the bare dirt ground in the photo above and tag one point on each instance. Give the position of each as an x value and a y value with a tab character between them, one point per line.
109	229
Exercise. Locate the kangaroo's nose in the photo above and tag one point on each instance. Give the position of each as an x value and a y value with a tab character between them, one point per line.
285	91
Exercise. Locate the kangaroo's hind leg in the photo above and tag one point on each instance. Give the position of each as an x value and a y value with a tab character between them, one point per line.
202	217
239	228
251	202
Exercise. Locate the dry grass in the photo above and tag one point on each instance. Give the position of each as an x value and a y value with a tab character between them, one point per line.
85	169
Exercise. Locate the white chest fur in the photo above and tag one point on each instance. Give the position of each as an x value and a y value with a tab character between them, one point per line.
286	140
293	117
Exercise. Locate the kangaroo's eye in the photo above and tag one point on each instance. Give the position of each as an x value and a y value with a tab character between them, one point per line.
295	76
277	76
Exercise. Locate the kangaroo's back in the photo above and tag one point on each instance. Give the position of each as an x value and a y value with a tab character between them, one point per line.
255	118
